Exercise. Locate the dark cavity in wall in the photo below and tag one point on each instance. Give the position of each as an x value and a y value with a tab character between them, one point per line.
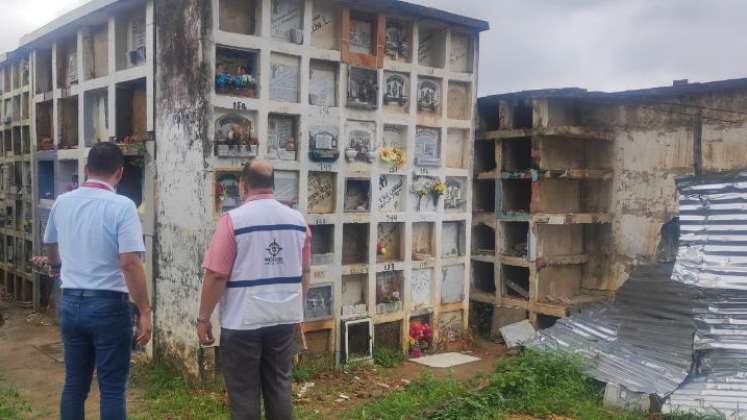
669	241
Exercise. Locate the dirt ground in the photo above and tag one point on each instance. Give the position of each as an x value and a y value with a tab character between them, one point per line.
31	360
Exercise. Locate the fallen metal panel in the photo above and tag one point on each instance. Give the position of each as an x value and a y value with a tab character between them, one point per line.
722	394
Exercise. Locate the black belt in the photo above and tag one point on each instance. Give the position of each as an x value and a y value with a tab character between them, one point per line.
95	293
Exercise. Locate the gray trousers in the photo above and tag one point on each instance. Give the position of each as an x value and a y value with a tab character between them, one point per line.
258	361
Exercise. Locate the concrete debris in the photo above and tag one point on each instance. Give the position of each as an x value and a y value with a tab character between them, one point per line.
445	360
518	333
617	396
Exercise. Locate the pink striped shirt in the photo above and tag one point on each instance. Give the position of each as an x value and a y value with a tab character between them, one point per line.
221	253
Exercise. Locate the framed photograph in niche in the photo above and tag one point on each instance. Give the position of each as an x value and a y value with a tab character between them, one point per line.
362	35
391	193
282	135
323	144
227	191
363	88
429	95
398	40
455	198
396	91
235	136
325	26
428	147
236	72
322	197
319	303
361	141
323	83
462	54
286	20
286	188
460	101
284	77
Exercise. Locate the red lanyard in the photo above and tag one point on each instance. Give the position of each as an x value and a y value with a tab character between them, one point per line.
97	185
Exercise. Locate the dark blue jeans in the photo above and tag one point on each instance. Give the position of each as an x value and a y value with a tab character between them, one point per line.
97	332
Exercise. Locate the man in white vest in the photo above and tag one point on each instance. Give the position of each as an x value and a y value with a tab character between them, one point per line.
257	266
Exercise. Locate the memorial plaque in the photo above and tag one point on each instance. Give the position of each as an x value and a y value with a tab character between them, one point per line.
286	20
428	146
235	136
391	193
422	198
460	104
322	192
136	41
422	241
398	38
421	288
354	291
452	239
363	87
388	292
357	196
456	143
319	304
323	84
325	29
431	46
451	325
323	144
396	89
281	137
284	78
455	198
395	136
286	188
361	141
362	35
429	95
71	67
461	52
227	192
452	284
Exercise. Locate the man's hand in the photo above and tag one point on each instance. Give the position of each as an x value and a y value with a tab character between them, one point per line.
146	328
205	333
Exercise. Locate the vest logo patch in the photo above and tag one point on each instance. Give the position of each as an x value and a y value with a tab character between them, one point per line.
273	251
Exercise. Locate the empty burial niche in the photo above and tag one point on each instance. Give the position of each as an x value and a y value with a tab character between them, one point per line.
322	190
516	196
432	45
451	325
546	321
515	282
453	239
227	191
388	335
483	240
452	284
285	77
389	287
462	54
17	141
43	69
238	16
516	155
282	137
483	277
286	187
67	62
483	199
515	239
96	107
423	237
130	39
26	136
457	148
286	20
325	25
67	176
131	111
17	108
131	185
322	244
357	339
574	153
25	106
318	342
355	243
460	105
236	72
68	119
7	77
485	157
354	295
45	179
319	304
96	51
515	114
481	318
573	196
323	83
390	242
560	284
357	195
455	197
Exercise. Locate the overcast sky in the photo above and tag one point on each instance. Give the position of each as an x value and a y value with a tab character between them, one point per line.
533	44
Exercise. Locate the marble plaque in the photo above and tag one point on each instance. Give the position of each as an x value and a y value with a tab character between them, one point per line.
456	147
428	146
357	196
284	78
429	95
361	36
323	84
398	38
452	284
421	288
461	52
323	144
395	136
354	291
286	188
460	105
325	29
452	239
396	89
361	141
391	193
234	136
227	192
286	19
319	303
363	87
423	203
455	198
281	137
422	241
451	325
322	196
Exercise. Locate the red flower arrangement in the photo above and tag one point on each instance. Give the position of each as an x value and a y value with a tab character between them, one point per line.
421	338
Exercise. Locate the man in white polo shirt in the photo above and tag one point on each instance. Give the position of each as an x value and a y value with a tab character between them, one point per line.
94	236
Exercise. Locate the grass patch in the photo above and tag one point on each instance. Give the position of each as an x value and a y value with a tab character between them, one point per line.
310	365
12	406
387	358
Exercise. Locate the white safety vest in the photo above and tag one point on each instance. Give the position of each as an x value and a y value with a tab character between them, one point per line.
266	284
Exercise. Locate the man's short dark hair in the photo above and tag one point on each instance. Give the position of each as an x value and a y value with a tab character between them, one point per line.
257	179
105	159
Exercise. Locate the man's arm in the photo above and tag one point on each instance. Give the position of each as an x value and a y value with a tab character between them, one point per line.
52	251
134	275
306	263
213	288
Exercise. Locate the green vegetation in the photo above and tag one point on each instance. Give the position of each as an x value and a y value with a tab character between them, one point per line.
387	357
310	365
12	406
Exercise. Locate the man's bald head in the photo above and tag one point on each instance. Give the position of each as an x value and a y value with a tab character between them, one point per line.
258	175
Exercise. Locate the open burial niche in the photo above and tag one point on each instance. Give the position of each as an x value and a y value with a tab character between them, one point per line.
357	338
483	277
131	44
322	192
390	242
322	244
319	304
96	51
235	135
355	243
357	195
354	295
389	287
131	111
96	107
68	119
